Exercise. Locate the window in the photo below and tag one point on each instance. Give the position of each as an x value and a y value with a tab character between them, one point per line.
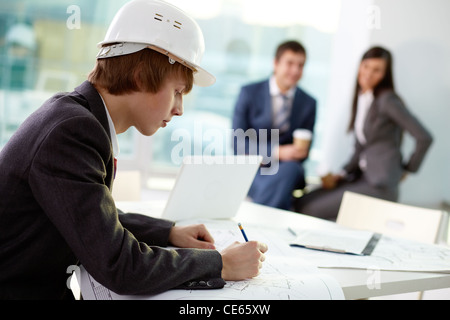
50	45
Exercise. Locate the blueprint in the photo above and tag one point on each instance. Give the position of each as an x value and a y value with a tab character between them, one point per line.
283	276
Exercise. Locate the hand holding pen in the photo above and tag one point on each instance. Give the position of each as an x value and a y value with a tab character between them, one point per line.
243	232
243	260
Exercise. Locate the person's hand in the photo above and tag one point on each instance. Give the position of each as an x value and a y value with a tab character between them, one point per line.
330	181
404	176
289	152
192	236
242	260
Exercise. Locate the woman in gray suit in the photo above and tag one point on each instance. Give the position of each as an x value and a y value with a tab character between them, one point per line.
379	118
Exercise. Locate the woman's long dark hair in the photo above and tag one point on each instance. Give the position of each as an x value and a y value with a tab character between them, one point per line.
387	83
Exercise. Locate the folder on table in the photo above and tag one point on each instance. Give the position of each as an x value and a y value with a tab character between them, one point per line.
357	242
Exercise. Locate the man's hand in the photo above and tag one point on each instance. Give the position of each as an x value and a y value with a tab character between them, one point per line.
192	236
242	260
289	152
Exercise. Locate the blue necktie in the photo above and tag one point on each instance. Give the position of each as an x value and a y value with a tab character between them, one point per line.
282	116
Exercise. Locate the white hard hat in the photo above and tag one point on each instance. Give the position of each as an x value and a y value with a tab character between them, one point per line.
160	26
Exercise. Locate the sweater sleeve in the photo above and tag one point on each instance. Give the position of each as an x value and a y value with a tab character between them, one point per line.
67	177
150	230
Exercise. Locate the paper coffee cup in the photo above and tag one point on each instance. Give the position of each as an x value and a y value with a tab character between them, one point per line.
302	138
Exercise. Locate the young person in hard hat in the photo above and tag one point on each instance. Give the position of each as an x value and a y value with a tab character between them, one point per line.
57	171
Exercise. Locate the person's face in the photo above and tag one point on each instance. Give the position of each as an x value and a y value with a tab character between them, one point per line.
152	111
288	69
371	72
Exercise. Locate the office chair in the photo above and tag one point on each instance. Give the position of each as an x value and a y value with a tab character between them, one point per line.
362	212
390	218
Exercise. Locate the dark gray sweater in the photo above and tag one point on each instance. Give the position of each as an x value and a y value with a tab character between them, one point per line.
56	210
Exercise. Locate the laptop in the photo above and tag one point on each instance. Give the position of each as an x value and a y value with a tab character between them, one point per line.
211	187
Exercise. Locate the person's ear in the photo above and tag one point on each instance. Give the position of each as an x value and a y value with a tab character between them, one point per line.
275	63
138	80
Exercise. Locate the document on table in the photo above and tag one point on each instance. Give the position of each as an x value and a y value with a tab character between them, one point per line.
347	241
390	254
283	276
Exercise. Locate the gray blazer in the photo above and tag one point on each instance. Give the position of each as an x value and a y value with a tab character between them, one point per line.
386	121
56	210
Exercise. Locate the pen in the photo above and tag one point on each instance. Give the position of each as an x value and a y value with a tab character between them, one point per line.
243	232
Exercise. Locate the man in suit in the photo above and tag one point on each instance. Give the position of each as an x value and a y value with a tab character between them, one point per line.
57	172
278	103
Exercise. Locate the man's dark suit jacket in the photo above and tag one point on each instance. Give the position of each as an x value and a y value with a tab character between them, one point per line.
253	110
56	210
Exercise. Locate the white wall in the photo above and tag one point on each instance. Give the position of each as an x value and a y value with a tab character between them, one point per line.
351	40
417	33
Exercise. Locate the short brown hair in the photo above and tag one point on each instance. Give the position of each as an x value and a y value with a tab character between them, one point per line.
291	45
119	74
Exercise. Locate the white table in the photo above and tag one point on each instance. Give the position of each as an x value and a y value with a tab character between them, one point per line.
355	283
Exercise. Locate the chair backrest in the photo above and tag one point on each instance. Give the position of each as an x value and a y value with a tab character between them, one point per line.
393	219
127	186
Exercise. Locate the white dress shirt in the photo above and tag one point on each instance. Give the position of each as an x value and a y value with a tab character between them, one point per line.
112	131
277	97
365	101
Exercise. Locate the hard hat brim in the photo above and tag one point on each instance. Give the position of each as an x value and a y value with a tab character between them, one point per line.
202	78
